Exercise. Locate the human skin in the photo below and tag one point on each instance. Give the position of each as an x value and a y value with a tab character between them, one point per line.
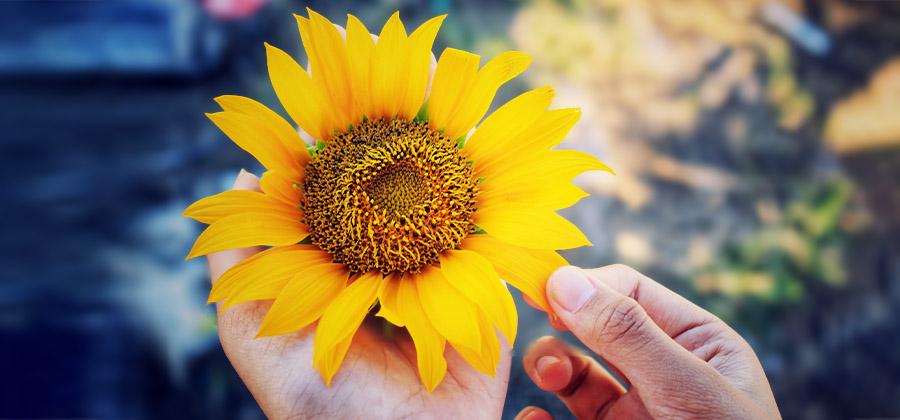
378	379
678	360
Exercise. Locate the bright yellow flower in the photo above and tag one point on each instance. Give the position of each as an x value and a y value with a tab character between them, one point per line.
396	206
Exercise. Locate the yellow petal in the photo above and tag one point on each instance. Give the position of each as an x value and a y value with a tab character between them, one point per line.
281	187
263	275
248	229
420	43
303	300
487	357
389	69
526	269
328	65
429	343
478	99
455	74
552	190
361	49
263	279
283	130
530	227
547	131
331	361
341	320
254	137
566	164
475	277
210	209
297	93
509	121
449	311
387	298
232	277
544	193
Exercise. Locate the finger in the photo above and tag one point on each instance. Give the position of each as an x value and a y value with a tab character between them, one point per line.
678	317
556	323
463	373
533	413
586	388
432	66
618	329
551	318
703	334
220	262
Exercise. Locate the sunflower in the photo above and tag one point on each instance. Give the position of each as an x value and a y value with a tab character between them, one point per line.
396	205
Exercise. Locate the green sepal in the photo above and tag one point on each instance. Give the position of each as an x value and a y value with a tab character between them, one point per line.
422	115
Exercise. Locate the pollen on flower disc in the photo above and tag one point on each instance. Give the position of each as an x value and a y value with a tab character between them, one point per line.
389	195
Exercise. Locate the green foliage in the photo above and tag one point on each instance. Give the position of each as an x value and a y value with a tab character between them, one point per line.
801	247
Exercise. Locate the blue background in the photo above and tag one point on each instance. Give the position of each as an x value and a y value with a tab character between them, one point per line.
104	143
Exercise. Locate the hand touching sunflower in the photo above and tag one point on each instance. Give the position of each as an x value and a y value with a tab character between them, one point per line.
380	377
403	204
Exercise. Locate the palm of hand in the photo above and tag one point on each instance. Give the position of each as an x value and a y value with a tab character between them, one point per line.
378	378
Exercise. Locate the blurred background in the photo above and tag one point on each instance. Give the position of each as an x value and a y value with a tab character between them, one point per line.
757	145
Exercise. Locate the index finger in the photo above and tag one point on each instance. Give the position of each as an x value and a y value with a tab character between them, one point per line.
674	314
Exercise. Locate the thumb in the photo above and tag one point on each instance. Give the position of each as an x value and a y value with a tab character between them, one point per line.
220	262
618	329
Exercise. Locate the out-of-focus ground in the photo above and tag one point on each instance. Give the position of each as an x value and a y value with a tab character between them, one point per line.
757	147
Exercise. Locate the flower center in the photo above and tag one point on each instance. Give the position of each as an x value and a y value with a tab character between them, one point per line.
389	195
398	190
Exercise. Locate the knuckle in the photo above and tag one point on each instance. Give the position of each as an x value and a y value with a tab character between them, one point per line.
684	409
623	272
578	379
623	269
622	318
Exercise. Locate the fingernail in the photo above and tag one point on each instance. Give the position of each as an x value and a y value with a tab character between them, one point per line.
543	363
246	181
570	288
241	175
526	412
